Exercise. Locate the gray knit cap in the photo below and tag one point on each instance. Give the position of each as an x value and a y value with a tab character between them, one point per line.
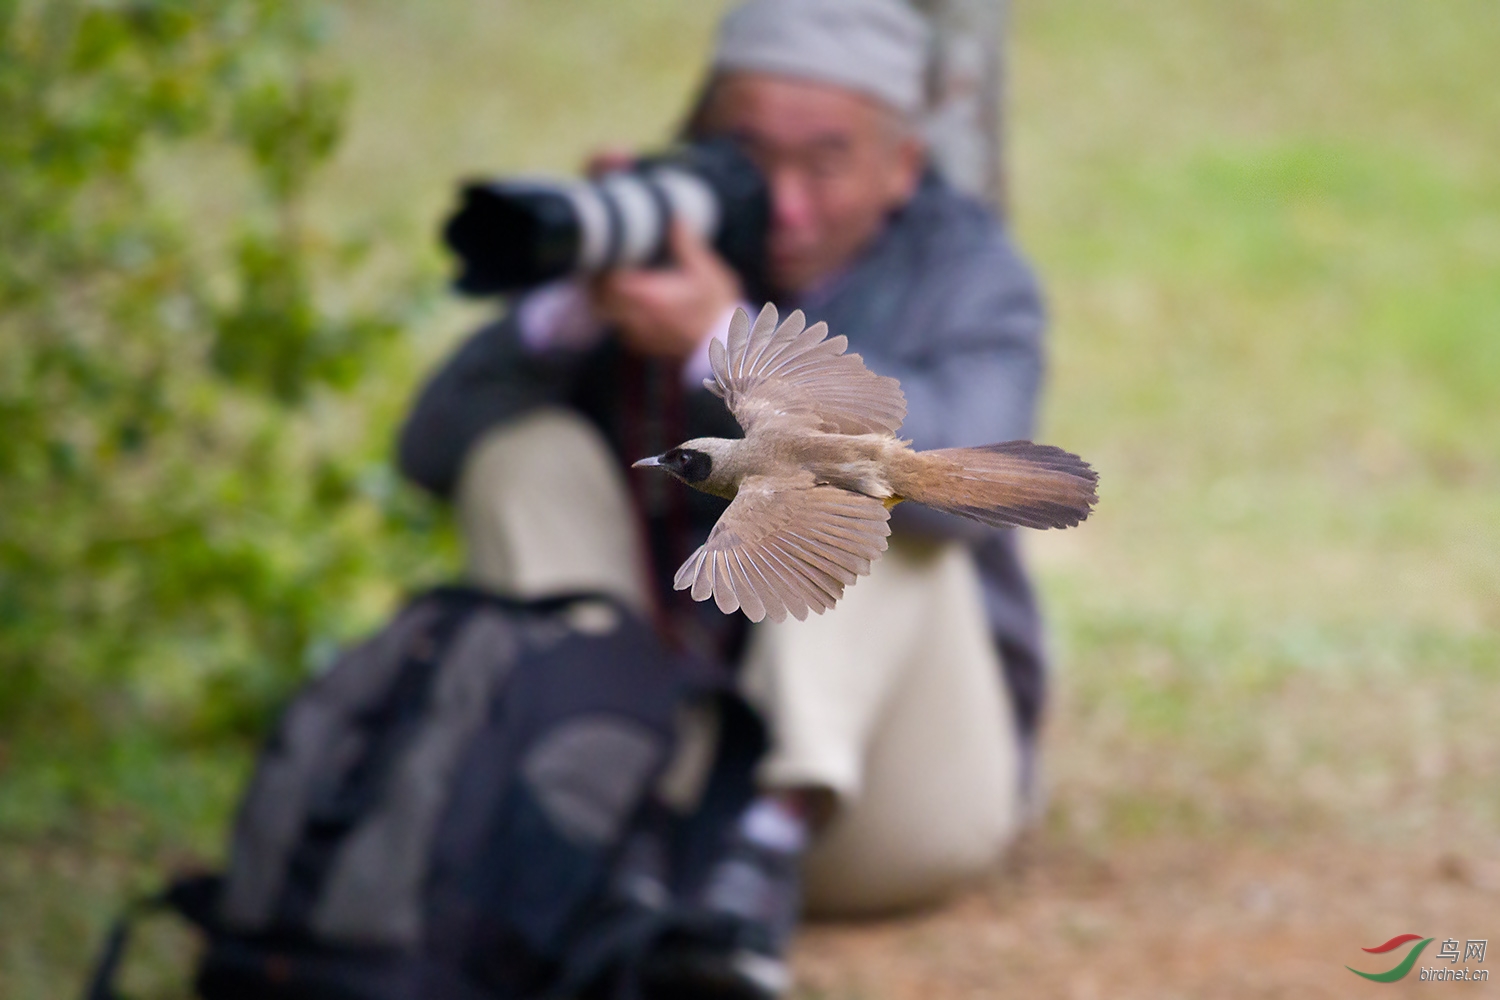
875	47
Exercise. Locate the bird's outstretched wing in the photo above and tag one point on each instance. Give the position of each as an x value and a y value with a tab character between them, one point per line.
783	548
788	373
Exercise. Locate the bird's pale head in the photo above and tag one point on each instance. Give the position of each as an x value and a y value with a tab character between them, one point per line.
702	463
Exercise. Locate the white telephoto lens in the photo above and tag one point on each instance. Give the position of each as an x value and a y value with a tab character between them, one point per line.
593	225
692	201
642	227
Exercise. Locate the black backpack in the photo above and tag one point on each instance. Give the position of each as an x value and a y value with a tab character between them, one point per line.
440	815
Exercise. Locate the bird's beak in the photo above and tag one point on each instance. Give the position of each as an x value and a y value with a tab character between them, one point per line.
647	463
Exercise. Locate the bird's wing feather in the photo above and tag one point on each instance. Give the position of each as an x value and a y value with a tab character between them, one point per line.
792	374
782	548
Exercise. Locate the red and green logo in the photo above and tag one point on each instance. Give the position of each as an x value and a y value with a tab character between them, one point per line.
1403	967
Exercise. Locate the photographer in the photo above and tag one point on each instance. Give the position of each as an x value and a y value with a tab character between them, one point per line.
903	722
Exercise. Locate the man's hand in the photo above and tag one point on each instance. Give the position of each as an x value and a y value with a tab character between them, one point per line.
666	312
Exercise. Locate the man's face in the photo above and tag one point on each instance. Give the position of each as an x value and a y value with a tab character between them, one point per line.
837	164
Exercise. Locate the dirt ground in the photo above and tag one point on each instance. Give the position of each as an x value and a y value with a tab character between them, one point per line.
1161	919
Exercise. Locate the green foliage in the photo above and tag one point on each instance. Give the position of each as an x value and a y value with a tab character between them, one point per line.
190	513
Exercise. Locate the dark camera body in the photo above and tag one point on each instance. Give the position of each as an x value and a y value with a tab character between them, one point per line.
516	234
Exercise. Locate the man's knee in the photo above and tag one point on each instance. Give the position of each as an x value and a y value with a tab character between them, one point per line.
544	508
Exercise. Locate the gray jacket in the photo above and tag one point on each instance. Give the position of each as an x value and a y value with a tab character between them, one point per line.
942	301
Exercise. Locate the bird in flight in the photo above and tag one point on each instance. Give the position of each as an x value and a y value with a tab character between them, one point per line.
812	482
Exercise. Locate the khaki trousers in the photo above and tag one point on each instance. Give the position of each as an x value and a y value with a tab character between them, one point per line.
892	700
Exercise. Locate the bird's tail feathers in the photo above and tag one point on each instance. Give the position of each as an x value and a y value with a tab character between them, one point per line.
1015	483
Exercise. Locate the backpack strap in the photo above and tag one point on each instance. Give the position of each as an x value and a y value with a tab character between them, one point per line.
465	592
192	897
612	950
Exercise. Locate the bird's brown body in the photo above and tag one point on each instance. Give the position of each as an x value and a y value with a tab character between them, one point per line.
861	463
820	465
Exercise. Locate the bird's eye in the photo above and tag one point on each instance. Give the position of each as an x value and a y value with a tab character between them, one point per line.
696	466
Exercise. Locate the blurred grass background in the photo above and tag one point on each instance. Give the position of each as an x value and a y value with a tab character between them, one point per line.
1270	232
